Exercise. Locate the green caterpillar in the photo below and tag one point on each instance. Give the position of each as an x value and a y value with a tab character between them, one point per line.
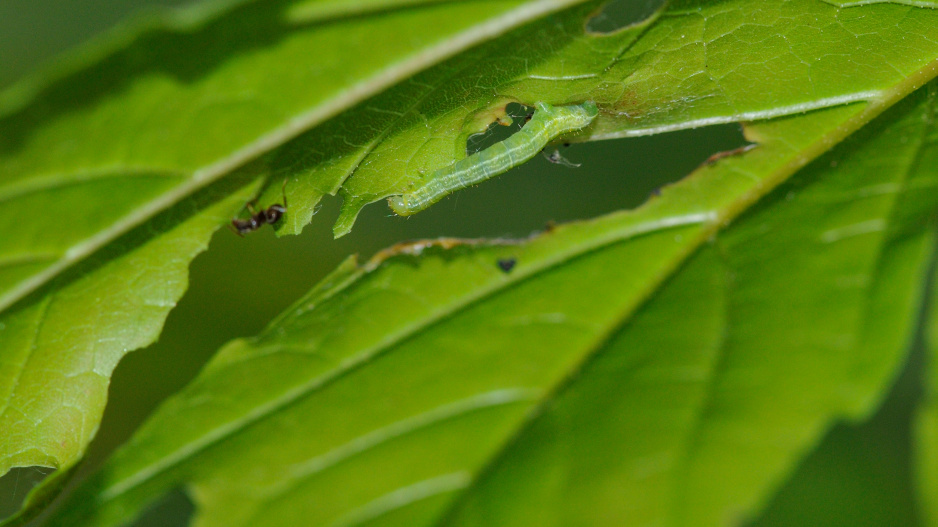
548	123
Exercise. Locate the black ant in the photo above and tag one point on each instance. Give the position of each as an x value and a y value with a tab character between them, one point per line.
257	220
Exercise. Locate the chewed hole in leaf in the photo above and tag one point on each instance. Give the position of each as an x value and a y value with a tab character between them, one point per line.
547	123
614	175
516	116
620	14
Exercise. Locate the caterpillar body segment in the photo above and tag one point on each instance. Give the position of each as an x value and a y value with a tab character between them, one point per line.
548	123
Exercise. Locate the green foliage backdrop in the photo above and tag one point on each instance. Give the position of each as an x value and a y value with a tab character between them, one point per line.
670	363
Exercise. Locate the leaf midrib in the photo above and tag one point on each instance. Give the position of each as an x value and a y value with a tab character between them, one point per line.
710	223
366	356
709	229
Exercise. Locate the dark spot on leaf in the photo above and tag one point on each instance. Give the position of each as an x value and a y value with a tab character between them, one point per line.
506	264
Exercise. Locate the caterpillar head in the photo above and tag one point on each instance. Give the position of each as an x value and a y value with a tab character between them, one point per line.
400	205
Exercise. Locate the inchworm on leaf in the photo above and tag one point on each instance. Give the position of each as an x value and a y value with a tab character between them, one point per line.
548	123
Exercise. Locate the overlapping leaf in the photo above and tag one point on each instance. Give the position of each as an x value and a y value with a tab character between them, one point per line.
403	391
131	132
110	155
800	312
687	66
107	145
56	368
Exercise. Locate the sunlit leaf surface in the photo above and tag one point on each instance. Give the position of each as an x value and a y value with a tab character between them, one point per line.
136	126
122	142
63	342
142	125
642	365
691	65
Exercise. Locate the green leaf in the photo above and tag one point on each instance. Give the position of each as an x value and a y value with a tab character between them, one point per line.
917	3
61	343
429	386
688	66
134	129
801	312
133	126
105	141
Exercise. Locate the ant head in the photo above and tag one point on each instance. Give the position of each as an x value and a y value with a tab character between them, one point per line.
274	213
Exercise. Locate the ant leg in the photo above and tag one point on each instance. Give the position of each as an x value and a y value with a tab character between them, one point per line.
234	230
